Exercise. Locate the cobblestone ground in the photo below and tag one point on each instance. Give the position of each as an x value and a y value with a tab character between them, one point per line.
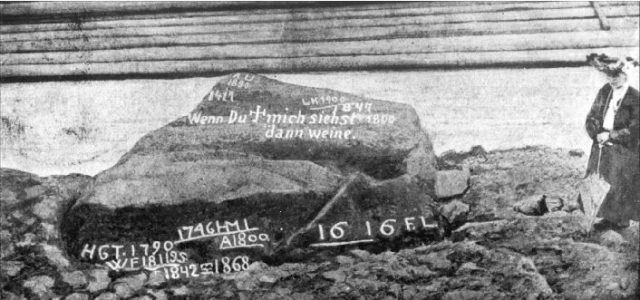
493	252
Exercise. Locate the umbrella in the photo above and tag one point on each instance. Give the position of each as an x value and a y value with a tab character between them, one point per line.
593	189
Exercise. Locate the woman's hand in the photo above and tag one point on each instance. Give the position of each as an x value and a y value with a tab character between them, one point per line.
615	134
602	137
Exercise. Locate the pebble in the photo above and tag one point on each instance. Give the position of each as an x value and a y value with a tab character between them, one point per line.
98	280
11	268
181	291
553	203
27	240
40	285
361	254
468	267
4	220
17	215
613	286
55	256
257	266
338	289
505	166
46	209
7	197
624	283
335	275
436	261
282	291
246	284
135	282
156	278
302	296
6	246
409	292
6	249
75	279
49	231
451	183
34	191
158	294
227	294
123	290
143	297
396	290
531	206
417	272
361	271
611	238
243	296
268	279
463	295
4	295
344	260
454	211
107	296
77	296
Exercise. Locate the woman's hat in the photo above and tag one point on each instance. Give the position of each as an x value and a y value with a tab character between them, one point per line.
612	66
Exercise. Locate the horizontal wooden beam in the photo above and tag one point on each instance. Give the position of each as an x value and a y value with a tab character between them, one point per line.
42	12
359	11
34	11
507	42
49	8
187	10
92	11
295	14
237	23
177	68
258	36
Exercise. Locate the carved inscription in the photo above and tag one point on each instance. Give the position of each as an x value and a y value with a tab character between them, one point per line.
162	256
225	234
333	235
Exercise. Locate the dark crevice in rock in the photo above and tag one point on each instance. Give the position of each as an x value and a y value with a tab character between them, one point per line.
63	226
93	224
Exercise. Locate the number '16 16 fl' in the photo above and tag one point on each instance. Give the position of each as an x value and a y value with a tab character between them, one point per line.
386	228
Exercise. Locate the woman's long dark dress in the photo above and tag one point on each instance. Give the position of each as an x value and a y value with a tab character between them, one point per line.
620	162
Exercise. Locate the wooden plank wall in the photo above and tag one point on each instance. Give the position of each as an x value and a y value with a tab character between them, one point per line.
76	40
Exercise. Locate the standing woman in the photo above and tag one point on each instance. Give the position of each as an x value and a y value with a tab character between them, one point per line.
614	124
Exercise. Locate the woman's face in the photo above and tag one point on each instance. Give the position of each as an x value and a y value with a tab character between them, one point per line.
618	80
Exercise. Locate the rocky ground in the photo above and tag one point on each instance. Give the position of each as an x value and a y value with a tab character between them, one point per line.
491	252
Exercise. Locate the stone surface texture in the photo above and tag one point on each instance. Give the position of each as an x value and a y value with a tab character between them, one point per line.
451	183
284	158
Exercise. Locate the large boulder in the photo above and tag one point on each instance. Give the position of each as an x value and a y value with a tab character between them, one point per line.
262	168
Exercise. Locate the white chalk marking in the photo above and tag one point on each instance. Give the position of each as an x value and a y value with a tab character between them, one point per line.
334	244
324	107
243	246
334	106
213	235
161	266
